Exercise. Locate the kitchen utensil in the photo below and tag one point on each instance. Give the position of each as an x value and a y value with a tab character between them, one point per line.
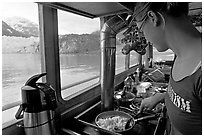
38	107
109	114
97	127
127	125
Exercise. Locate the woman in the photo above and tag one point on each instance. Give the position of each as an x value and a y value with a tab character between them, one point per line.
167	26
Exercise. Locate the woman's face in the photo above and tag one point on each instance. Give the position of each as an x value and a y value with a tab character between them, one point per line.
154	33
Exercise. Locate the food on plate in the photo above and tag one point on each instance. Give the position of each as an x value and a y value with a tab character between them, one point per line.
113	123
142	88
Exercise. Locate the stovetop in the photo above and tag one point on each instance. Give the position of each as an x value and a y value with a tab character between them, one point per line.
146	127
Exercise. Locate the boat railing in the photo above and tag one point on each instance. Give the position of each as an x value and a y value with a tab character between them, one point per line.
79	82
11	105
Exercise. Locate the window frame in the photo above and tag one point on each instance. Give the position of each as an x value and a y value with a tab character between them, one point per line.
50	54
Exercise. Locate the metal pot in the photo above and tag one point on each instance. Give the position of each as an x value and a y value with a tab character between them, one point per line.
125	99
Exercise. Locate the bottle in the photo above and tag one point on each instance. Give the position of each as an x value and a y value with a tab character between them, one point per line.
125	89
136	77
129	82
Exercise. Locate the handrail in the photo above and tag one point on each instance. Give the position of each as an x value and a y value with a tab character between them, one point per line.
10	105
83	81
78	83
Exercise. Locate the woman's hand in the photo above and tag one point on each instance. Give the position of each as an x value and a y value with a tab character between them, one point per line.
151	102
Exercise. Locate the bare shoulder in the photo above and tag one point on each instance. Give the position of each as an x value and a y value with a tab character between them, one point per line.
182	69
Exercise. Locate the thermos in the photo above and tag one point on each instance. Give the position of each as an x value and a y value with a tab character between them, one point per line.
38	107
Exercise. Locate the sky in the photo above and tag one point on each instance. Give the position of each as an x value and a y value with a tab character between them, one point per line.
68	23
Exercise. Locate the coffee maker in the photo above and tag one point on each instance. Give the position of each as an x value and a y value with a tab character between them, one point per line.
38	107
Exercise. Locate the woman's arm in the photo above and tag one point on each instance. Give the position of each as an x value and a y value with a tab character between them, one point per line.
150	102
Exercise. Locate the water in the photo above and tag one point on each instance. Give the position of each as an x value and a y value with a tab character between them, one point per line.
17	68
78	67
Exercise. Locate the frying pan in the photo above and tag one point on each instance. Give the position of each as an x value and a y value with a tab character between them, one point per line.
107	114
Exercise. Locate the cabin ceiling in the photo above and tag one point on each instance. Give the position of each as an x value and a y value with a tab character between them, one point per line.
100	9
91	9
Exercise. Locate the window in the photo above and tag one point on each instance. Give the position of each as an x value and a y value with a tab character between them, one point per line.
159	56
20	51
79	47
120	58
134	58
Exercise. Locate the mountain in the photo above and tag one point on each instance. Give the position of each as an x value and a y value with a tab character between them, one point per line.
23	25
25	39
74	43
84	43
9	31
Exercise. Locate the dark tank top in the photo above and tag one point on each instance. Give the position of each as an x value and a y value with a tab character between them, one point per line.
184	104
